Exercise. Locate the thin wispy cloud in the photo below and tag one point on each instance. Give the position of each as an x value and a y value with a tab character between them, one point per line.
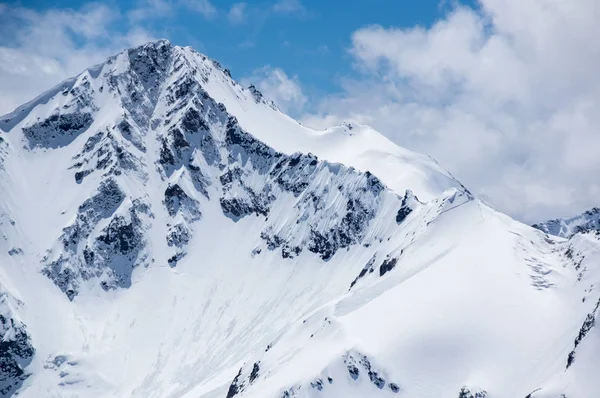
285	91
289	7
203	7
150	9
237	13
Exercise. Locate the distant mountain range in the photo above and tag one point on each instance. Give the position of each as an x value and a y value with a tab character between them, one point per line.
567	227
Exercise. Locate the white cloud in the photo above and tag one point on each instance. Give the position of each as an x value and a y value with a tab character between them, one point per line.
506	97
40	49
237	13
278	87
160	9
147	9
246	44
289	7
203	7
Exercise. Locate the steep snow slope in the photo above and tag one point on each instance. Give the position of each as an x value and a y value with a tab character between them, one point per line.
495	314
567	227
167	233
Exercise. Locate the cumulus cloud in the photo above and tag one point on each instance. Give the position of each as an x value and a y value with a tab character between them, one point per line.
237	13
278	87
505	96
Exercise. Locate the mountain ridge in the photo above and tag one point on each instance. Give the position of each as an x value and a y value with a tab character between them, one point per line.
587	221
194	241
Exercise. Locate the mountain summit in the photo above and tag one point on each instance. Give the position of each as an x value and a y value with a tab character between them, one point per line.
166	232
566	227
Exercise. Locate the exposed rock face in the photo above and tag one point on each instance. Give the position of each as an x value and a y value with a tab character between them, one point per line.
357	362
369	267
202	153
57	130
105	154
467	393
409	202
588	324
111	253
387	265
16	350
3	151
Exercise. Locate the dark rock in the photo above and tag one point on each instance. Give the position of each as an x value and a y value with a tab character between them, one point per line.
353	370
588	324
15	251
80	175
111	256
234	388
173	260
466	393
387	265
179	235
91	142
16	352
367	268
254	373
407	206
373	375
166	155
177	200
102	205
57	130
192	122
243	145
317	384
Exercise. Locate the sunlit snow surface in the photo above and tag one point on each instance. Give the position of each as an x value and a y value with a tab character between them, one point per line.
164	232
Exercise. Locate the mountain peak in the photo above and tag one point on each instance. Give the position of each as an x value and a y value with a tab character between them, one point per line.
159	43
567	227
166	232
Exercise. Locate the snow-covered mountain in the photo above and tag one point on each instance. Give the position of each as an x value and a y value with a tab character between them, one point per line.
165	232
587	221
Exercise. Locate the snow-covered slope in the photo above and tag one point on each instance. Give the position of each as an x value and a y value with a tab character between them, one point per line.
567	227
165	232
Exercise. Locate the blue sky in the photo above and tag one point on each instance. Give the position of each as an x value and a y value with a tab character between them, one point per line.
503	93
308	39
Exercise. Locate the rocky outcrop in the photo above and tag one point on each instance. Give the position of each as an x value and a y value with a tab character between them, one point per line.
111	254
472	393
16	349
588	324
57	130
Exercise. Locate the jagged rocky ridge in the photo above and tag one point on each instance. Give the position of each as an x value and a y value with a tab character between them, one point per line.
354	364
567	227
200	146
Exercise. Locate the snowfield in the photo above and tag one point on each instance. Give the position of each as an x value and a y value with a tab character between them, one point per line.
165	232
